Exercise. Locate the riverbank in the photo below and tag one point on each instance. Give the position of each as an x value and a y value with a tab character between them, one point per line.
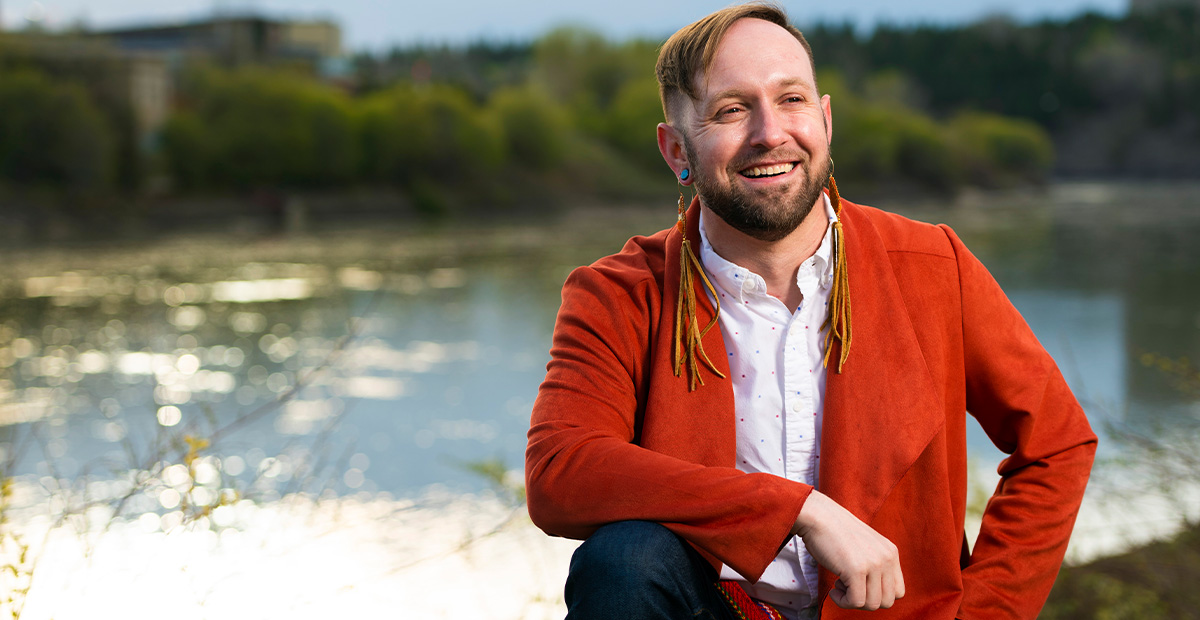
437	555
29	223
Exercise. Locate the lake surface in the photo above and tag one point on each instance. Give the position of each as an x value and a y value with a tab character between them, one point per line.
391	359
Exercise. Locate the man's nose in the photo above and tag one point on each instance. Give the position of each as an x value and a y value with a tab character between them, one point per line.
768	129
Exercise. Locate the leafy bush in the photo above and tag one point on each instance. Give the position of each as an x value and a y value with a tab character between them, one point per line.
52	135
631	122
535	128
923	153
188	147
434	132
1001	151
253	127
880	143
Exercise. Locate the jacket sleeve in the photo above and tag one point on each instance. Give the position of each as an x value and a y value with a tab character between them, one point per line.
1021	400
582	467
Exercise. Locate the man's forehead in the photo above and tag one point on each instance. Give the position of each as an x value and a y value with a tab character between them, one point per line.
755	53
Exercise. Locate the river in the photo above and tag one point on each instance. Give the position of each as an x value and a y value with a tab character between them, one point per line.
333	422
397	357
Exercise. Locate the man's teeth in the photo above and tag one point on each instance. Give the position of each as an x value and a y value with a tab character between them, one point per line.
768	171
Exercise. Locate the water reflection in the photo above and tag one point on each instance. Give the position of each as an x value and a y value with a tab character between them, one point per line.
369	363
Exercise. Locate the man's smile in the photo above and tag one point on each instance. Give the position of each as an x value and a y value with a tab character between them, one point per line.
766	171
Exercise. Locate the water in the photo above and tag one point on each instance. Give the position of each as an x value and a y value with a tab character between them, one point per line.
390	360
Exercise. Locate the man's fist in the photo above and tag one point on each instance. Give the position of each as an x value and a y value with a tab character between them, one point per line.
866	563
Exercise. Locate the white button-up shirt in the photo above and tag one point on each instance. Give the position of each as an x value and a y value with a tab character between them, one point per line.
779	392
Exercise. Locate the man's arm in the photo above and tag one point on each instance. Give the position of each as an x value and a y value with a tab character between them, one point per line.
1023	403
582	469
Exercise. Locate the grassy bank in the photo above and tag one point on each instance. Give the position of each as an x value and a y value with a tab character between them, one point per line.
1154	581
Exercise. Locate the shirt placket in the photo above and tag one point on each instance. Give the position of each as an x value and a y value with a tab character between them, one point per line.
800	389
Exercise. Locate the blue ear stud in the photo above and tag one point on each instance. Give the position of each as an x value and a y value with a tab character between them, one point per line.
684	175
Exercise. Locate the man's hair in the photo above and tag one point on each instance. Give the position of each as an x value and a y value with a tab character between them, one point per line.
690	51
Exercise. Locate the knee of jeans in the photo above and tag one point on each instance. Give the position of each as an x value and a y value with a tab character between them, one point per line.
630	550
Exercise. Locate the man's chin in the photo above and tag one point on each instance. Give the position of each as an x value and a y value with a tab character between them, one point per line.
766	235
764	212
748	221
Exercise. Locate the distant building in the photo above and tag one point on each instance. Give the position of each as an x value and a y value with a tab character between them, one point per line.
131	71
236	40
139	83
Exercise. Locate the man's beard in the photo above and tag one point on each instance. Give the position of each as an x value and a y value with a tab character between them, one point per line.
766	216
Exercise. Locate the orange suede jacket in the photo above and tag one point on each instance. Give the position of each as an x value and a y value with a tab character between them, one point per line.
616	436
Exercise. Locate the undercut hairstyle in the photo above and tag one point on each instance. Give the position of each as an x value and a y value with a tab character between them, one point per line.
689	52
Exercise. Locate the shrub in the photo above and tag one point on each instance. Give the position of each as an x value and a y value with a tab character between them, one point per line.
52	135
433	132
631	122
253	127
535	128
1001	151
923	154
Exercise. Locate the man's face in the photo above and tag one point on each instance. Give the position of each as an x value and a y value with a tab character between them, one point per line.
757	138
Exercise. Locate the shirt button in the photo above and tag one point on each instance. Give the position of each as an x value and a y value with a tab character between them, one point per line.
796	406
749	286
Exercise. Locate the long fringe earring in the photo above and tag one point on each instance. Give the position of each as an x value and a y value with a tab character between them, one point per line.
838	320
689	337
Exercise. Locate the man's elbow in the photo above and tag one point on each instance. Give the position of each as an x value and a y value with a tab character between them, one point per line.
549	507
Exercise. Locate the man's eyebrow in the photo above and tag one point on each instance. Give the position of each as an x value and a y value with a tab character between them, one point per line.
734	93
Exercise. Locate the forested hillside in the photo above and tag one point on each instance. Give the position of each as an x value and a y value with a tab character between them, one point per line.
525	125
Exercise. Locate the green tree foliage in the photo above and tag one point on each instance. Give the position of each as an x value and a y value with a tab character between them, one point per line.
410	133
587	72
51	135
1049	72
999	151
878	144
631	121
252	128
535	127
929	106
583	67
880	139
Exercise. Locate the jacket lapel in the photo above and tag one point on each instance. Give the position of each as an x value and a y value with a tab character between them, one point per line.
882	409
697	426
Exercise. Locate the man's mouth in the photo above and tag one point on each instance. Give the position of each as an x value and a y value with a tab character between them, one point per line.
774	170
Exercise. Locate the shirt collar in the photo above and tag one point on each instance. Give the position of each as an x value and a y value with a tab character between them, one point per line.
741	283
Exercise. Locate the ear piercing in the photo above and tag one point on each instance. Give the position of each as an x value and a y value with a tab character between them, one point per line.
683	176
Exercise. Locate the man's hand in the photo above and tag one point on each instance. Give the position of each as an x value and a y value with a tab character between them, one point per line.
866	563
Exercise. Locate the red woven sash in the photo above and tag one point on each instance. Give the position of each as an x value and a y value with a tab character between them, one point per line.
743	606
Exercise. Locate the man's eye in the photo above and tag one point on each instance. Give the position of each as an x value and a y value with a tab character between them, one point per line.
733	110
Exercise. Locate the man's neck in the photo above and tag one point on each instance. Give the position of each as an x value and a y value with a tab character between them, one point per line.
776	261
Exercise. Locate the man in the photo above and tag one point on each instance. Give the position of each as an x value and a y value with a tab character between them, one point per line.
769	454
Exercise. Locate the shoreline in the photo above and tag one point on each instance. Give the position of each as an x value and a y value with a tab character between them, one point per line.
289	216
436	555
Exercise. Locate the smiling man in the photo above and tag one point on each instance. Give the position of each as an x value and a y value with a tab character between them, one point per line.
705	427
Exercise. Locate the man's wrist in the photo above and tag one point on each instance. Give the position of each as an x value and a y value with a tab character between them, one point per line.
810	514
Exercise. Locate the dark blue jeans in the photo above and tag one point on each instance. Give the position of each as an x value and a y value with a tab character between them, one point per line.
635	570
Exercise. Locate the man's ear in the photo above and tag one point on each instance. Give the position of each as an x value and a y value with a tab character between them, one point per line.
670	144
828	112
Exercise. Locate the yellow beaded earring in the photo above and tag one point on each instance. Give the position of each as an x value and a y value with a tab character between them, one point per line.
838	320
689	345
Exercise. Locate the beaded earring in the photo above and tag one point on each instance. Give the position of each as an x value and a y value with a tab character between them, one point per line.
838	320
689	345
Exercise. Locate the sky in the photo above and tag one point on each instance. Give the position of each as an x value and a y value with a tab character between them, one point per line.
374	25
